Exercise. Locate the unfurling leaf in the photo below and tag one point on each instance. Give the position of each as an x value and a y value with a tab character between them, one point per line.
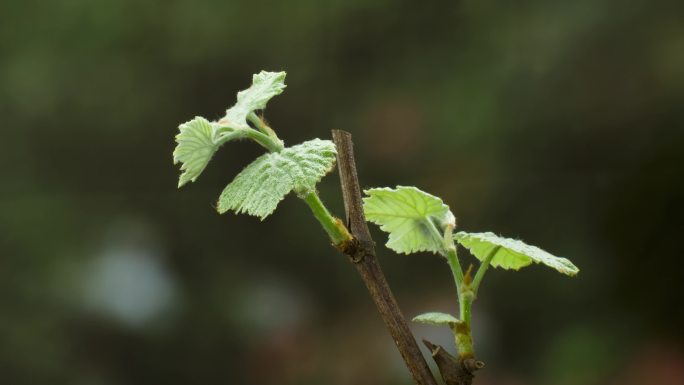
435	318
265	85
413	218
512	253
259	188
197	141
199	138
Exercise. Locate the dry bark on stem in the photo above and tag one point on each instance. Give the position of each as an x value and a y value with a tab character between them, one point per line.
454	371
361	252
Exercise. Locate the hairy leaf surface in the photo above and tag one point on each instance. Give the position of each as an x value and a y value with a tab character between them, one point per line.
199	138
197	142
265	85
259	188
413	218
435	318
512	254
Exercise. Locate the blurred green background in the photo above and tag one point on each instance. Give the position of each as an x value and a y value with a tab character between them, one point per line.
558	122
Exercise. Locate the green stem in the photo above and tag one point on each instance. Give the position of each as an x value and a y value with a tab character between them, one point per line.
462	335
466	304
337	232
262	126
464	341
483	269
456	271
272	145
449	251
452	255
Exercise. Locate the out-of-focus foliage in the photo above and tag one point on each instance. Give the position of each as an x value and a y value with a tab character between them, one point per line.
557	122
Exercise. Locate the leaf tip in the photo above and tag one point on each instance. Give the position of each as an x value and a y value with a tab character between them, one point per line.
572	272
220	208
183	180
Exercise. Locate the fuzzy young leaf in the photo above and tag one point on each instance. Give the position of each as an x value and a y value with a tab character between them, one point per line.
512	254
259	188
413	218
435	318
197	141
199	138
265	85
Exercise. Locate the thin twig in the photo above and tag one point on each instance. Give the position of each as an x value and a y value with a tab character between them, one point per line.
362	253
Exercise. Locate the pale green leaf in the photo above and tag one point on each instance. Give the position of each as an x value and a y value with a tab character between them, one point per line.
259	188
265	85
199	138
435	318
413	218
197	142
512	253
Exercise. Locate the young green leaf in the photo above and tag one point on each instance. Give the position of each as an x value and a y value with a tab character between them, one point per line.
199	138
259	188
197	141
434	318
265	85
512	254
413	218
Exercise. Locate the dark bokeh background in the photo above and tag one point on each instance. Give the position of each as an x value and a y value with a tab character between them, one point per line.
559	122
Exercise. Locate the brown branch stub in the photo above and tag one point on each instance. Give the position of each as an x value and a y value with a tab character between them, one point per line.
454	371
361	252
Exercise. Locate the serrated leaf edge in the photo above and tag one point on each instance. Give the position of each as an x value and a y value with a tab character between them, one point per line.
448	216
298	189
567	264
224	130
